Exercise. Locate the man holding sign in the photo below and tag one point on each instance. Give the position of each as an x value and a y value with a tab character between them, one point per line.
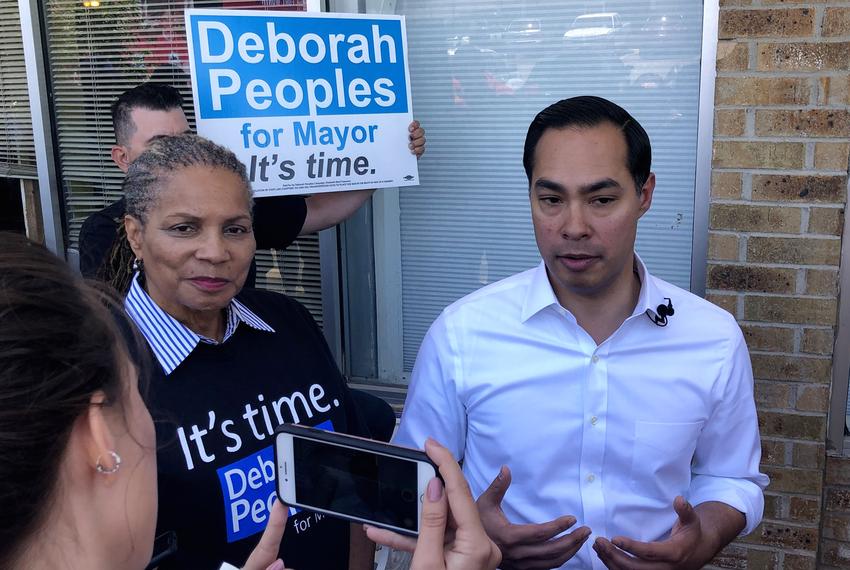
152	109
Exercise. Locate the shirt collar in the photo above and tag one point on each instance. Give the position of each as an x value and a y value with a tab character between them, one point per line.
170	340
540	294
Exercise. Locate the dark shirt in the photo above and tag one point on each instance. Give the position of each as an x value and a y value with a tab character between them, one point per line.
277	222
215	414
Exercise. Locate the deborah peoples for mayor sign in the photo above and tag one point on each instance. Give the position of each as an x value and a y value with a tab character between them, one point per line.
309	102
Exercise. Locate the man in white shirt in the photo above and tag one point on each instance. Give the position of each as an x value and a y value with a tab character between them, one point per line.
612	399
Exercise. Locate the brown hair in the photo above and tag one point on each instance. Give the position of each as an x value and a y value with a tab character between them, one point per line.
59	345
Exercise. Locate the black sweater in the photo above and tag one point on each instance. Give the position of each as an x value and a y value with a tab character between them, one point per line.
215	414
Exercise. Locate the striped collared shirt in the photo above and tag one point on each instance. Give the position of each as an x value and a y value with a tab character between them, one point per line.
170	340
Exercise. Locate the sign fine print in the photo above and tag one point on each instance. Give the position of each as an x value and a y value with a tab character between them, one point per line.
309	102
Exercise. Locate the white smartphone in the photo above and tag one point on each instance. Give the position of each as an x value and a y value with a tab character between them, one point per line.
350	477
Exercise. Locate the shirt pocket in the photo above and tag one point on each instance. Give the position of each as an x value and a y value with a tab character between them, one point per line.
661	458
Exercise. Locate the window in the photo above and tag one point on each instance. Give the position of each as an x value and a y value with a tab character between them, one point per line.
17	152
480	71
98	50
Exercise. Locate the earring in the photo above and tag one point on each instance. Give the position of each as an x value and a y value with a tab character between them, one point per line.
116	464
138	265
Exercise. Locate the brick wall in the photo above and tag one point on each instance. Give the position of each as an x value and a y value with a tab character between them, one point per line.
778	190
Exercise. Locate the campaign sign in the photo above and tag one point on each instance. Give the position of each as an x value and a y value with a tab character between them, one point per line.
309	102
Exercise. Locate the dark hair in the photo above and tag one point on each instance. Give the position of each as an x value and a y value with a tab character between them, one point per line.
59	345
585	112
145	179
153	96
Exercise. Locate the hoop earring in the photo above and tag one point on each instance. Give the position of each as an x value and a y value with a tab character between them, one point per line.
116	460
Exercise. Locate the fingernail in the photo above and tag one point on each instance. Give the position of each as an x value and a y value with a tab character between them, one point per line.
435	490
276	565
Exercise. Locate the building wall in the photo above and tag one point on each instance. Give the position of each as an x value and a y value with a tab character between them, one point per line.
778	192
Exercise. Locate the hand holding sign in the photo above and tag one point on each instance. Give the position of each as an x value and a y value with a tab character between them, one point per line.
309	102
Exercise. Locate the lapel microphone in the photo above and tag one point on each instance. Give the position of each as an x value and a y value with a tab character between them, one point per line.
661	313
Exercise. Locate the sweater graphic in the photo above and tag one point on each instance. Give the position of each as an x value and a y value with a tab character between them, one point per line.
248	490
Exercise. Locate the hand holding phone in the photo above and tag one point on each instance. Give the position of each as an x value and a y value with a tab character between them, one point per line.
353	478
469	547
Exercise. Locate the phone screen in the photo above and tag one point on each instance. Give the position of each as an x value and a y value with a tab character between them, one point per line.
357	483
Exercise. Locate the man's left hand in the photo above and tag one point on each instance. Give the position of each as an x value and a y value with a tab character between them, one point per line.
682	551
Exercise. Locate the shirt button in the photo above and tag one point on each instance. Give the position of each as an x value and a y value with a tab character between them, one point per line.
593	420
595	358
591	477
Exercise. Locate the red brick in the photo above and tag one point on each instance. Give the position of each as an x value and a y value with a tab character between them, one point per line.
783	310
836	526
752	278
722	247
729	122
758	154
773	453
805	510
808	455
822	282
838	471
837	499
784	536
735	24
813	398
762	91
826	221
803	56
798	481
835	554
744	218
803	251
832	155
836	22
806	123
773	339
726	302
797	368
784	188
833	90
793	426
732	56
817	341
726	185
738	557
798	562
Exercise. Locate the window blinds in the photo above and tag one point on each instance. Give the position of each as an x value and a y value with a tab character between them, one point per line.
480	71
96	51
17	152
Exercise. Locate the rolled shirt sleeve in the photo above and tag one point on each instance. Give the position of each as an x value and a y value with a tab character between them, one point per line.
728	452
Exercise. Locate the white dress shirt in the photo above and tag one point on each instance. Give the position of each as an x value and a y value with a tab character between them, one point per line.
609	433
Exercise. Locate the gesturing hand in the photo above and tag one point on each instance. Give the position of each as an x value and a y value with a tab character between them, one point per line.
526	546
682	551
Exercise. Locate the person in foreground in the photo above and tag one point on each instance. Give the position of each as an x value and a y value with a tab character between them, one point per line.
603	399
77	450
77	458
231	363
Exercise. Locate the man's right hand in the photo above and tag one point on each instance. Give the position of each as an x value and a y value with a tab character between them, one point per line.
527	546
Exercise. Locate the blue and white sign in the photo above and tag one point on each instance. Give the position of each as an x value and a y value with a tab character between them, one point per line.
310	102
